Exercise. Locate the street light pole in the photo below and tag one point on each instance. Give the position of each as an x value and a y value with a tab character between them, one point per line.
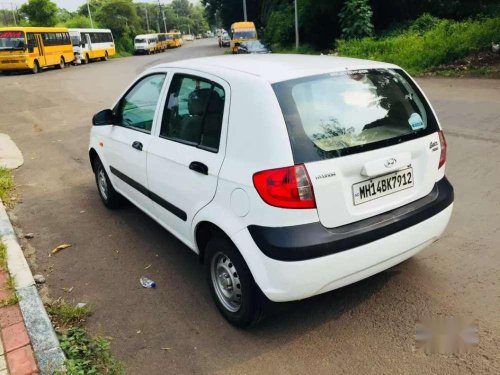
147	18
14	13
296	26
164	22
90	15
163	15
245	9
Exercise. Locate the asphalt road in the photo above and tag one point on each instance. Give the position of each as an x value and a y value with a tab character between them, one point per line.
367	327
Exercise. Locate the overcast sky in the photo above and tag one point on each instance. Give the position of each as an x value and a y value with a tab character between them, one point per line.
73	5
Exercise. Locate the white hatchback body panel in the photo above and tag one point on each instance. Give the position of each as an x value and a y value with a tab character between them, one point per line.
255	138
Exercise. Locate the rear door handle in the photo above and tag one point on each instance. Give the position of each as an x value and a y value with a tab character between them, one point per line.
137	145
198	167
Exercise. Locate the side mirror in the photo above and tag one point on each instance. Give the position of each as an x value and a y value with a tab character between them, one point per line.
105	117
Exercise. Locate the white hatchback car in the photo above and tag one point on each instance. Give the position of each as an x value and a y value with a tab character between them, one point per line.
290	176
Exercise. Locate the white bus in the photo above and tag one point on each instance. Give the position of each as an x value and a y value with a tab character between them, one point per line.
92	44
146	44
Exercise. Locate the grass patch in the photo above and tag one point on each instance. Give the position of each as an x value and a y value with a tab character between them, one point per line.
13	299
3	256
120	54
419	51
6	184
11	284
64	315
304	49
85	354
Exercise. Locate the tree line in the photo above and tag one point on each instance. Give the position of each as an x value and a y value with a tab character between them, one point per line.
125	18
321	22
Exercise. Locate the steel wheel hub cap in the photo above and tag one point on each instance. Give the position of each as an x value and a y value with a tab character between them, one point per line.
226	281
103	184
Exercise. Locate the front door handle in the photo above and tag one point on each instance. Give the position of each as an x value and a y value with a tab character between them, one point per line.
198	167
137	145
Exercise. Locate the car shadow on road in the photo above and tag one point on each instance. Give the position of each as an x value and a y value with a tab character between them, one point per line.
278	317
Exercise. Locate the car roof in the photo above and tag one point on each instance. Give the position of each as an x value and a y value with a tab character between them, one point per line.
276	67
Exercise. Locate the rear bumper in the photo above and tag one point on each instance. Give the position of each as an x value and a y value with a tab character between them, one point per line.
289	280
313	240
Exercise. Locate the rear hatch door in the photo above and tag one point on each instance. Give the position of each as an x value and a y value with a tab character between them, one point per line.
368	139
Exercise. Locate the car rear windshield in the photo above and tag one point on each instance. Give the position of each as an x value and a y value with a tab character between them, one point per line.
337	114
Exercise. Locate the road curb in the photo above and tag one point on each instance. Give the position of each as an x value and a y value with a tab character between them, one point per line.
45	344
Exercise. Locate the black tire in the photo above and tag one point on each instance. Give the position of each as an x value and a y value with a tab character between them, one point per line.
109	196
86	60
106	56
36	68
62	63
250	308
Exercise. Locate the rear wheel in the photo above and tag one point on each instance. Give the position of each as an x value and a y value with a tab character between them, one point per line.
233	289
62	63
36	67
109	196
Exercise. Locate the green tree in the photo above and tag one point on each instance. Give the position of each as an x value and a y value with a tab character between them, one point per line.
225	12
121	17
93	5
63	15
40	12
355	19
182	8
198	22
78	22
280	24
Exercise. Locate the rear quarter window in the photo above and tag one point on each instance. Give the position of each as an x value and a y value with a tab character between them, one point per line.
333	115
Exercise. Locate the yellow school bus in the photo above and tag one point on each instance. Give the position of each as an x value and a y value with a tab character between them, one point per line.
241	32
92	44
162	42
34	48
174	39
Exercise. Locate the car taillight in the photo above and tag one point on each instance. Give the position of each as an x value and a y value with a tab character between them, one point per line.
288	187
443	144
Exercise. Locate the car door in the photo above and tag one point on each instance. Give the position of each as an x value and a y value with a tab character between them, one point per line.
185	157
128	140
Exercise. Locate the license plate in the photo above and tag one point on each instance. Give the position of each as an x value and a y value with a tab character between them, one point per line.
378	187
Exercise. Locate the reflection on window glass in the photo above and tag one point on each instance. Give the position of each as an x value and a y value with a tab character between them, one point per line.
139	105
193	112
344	110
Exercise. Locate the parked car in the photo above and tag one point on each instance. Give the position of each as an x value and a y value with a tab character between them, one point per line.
225	40
188	37
253	46
339	174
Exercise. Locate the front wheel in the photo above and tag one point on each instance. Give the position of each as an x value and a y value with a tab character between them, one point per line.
36	68
109	196
106	56
233	289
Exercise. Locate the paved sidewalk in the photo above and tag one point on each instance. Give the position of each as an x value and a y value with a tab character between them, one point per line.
16	353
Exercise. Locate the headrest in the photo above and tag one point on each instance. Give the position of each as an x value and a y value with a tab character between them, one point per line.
197	101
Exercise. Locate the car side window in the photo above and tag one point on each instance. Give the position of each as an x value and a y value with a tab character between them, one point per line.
193	112
137	108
